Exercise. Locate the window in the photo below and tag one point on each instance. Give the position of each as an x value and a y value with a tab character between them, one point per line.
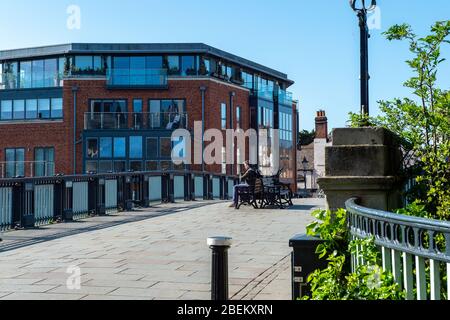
105	147
248	80
89	65
6	110
173	65
44	109
155	110
152	148
119	147
137	105
91	166
15	162
119	166
92	148
151	166
105	166
223	113
19	109
10	76
135	147
25	74
136	166
188	66
137	71
31	109
239	117
57	108
154	62
165	147
44	162
166	165
204	67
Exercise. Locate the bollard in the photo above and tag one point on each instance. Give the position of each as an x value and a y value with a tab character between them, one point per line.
305	261
219	279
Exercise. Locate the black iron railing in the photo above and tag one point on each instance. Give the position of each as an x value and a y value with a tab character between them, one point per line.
30	202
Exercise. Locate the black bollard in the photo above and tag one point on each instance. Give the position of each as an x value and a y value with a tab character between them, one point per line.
219	279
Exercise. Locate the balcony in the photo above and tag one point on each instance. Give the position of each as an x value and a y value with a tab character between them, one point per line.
137	78
285	98
135	121
15	169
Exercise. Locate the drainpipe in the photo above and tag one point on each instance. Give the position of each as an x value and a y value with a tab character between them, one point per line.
74	92
232	95
203	91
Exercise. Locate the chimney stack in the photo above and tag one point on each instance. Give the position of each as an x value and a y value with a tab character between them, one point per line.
321	125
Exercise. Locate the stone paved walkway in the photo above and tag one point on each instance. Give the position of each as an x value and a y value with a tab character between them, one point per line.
160	253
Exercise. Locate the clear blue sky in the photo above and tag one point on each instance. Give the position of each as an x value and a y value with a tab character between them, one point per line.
315	42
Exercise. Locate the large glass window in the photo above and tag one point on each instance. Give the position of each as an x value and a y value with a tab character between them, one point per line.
57	108
239	117
188	66
105	147
51	73
15	162
44	109
154	62
173	65
25	74
204	67
31	109
155	114
92	148
152	148
119	147
137	71
44	162
19	109
165	147
38	74
10	75
223	115
6	110
89	65
248	80
135	147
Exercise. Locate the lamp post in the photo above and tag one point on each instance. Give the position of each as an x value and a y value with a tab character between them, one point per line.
364	29
305	163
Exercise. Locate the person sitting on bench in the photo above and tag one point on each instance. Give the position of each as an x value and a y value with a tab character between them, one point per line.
248	179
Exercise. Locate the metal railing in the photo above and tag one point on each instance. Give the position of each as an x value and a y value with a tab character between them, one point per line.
136	121
13	169
136	77
409	246
30	202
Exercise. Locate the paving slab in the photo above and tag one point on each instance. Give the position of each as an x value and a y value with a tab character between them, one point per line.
157	253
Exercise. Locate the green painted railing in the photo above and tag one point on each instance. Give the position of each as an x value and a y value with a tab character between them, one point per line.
416	250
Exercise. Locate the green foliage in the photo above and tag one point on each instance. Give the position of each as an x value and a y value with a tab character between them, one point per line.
331	227
367	282
357	120
306	137
336	282
423	121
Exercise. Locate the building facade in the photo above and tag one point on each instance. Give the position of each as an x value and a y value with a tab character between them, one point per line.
84	108
311	158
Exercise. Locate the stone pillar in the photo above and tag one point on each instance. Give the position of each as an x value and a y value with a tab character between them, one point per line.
363	163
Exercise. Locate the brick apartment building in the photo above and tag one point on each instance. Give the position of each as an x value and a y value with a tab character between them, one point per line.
79	108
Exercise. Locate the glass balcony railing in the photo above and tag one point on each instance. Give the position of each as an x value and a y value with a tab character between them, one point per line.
137	77
12	81
285	97
135	121
15	169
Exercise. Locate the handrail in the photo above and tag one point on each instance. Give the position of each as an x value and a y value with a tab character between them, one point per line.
407	243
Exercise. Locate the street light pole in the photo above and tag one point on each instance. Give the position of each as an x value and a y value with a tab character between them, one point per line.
364	31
